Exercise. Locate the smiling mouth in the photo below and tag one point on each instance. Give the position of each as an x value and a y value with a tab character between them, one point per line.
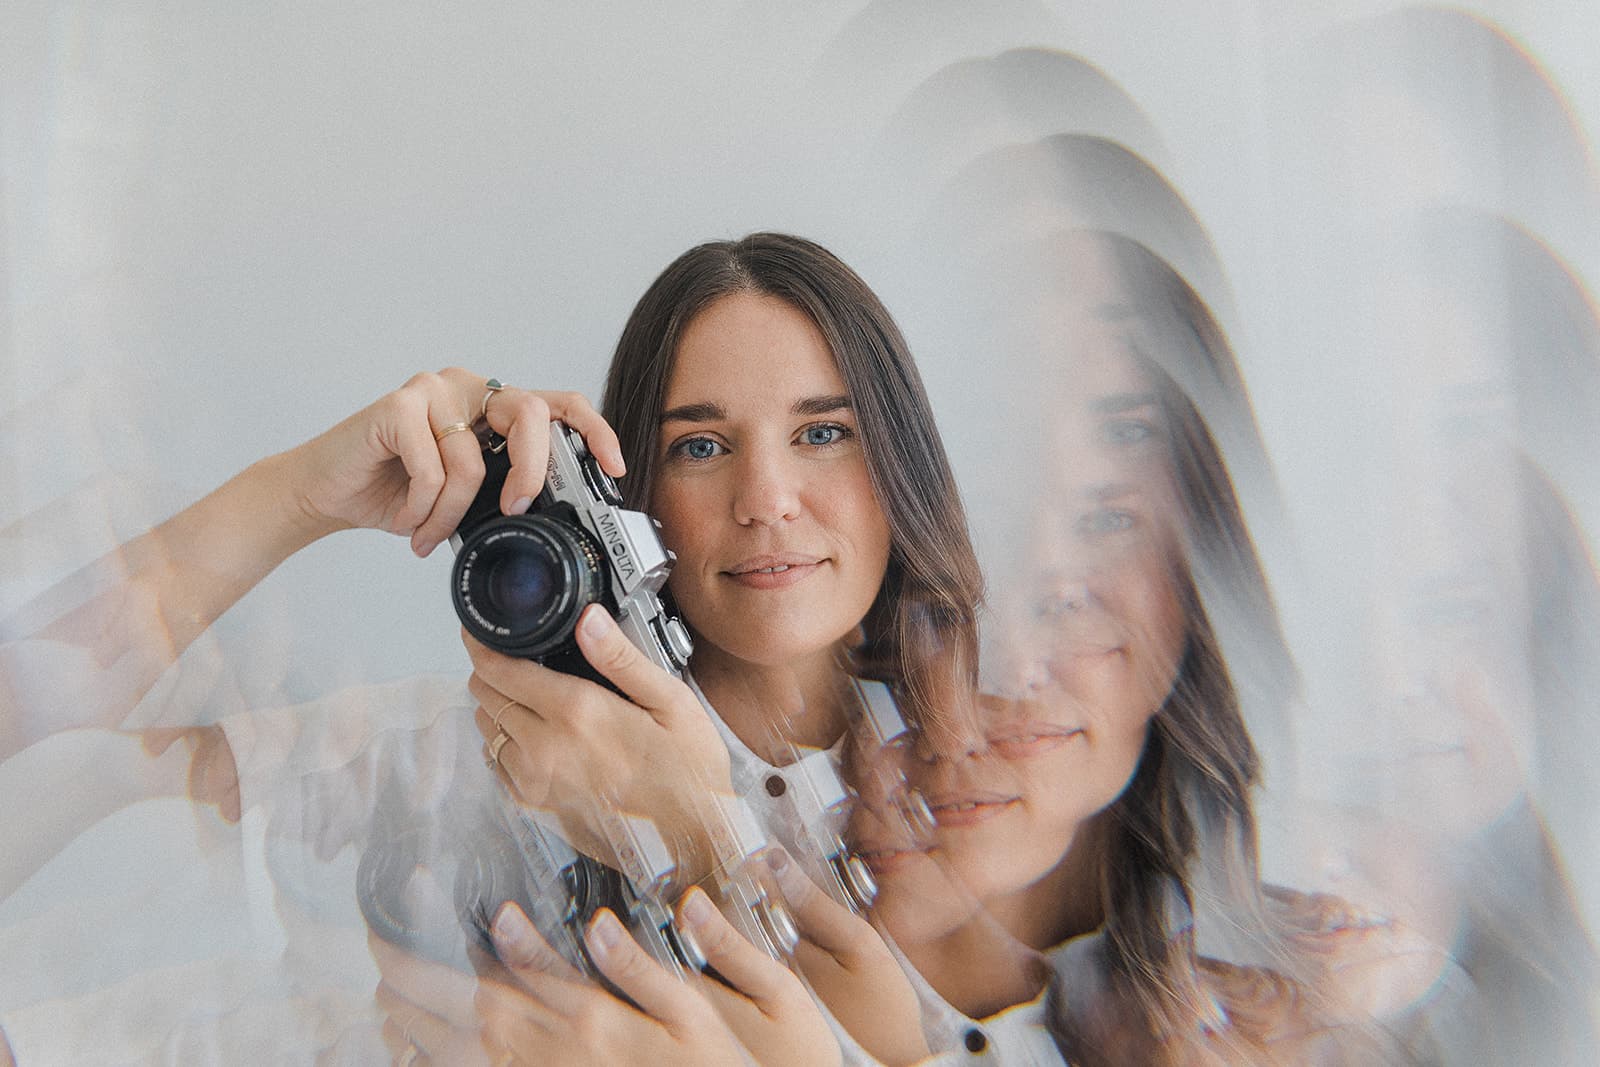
772	573
889	860
968	811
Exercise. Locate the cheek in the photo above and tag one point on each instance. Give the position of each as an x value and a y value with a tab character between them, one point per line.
849	505
681	510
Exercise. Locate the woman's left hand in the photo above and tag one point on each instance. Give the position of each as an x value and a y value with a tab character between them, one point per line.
542	1011
576	748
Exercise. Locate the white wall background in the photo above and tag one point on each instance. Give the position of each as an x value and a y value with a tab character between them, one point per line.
225	226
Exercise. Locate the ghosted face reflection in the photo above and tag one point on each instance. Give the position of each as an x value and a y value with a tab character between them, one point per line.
1093	632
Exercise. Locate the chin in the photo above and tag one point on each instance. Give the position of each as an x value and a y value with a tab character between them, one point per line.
773	642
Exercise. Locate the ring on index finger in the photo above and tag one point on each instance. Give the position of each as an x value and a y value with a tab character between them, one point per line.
491	387
454	427
507	706
491	758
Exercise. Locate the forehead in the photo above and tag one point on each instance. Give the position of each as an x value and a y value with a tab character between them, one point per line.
751	346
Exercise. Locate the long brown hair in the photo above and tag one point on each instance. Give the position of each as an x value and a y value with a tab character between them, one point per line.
930	595
1184	830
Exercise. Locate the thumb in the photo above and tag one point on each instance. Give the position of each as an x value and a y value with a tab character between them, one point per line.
609	651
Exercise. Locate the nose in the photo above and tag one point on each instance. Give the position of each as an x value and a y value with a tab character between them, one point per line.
769	488
956	734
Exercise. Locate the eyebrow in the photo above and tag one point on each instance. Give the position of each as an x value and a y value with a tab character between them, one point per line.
820	405
694	413
1118	402
709	412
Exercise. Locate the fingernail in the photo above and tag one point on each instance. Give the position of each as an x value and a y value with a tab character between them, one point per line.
521	505
790	878
596	623
510	929
605	934
696	908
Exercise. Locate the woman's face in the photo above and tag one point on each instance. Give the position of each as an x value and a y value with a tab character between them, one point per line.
1094	632
763	490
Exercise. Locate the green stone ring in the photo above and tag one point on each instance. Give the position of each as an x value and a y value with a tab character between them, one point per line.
493	385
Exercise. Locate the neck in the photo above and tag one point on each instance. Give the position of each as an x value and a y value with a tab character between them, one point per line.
1066	902
979	968
772	707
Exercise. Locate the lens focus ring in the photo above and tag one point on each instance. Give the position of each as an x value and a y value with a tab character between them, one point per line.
520	582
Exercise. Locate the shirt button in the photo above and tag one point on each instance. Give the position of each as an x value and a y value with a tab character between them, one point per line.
776	786
975	1041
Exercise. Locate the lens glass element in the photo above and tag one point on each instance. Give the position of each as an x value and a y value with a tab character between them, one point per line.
521	583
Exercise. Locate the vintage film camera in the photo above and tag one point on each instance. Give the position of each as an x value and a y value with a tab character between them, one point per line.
520	582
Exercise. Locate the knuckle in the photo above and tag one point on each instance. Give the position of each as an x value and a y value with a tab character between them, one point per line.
533	407
424	382
470	466
617	653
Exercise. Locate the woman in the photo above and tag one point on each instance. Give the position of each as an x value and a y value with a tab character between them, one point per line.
771	419
1085	816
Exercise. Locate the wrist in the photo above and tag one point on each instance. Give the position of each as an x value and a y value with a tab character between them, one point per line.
279	480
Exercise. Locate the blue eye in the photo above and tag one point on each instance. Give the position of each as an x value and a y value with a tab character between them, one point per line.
1105	521
1126	431
824	435
698	448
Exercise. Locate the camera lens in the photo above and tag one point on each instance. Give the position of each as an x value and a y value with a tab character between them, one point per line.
520	582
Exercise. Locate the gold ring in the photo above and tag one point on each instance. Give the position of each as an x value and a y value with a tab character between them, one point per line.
409	1056
508	705
493	749
454	427
493	385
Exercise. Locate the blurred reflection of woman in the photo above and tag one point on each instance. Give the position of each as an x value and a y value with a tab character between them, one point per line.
1089	813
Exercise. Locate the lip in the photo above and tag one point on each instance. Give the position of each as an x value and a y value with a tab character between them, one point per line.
957	810
774	571
888	860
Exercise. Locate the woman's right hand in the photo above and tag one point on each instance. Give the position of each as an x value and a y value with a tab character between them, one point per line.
536	1008
383	467
851	969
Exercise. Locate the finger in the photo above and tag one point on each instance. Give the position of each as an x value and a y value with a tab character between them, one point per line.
511	709
575	410
447	992
523	419
750	971
546	694
412	1024
617	659
523	760
658	993
522	948
821	920
462	458
410	437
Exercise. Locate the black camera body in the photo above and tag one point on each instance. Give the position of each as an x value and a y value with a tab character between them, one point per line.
520	582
